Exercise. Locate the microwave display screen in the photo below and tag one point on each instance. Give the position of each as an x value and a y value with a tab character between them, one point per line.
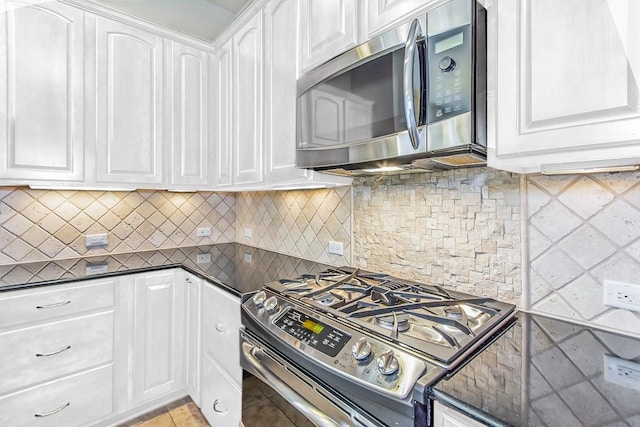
448	43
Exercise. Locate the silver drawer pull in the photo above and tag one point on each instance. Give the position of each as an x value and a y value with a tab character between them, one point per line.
55	411
56	304
54	352
220	407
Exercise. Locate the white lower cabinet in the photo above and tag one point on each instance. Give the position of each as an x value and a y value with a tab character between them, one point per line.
444	416
221	397
72	401
158	335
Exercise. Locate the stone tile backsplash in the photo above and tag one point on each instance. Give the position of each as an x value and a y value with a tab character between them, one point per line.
37	225
583	230
459	229
298	223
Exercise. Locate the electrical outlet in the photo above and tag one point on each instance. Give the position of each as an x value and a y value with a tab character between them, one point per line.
100	268
203	258
204	232
336	248
248	257
622	372
248	232
93	240
622	295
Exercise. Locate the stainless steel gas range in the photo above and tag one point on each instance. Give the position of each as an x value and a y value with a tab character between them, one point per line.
354	348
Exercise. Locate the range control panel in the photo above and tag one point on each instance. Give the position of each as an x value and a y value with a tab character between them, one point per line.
312	332
450	73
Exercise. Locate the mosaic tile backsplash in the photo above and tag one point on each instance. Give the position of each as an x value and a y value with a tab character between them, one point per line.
298	223
40	225
459	229
583	230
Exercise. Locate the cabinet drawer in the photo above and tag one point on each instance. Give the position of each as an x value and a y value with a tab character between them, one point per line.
43	352
71	401
41	305
221	330
221	398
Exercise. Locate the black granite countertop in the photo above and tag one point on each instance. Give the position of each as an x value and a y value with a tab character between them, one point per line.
232	266
548	372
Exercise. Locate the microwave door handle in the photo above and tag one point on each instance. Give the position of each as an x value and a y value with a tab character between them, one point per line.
407	82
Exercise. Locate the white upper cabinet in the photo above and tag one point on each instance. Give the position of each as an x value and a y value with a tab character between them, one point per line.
223	158
41	92
246	85
129	105
327	28
380	15
565	83
190	142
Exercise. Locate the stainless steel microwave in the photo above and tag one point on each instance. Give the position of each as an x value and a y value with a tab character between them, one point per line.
411	99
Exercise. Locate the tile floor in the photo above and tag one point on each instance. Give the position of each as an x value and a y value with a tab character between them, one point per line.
261	406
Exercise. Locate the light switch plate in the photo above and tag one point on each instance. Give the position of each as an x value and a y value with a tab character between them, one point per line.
248	232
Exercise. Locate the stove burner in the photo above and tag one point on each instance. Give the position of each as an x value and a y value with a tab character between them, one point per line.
393	322
326	299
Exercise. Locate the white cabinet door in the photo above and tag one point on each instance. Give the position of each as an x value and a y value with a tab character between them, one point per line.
443	416
193	291
224	153
129	104
158	335
190	140
246	83
327	28
41	92
381	15
566	83
221	330
221	397
280	90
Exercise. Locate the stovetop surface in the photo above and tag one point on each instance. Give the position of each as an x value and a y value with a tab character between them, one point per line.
429	319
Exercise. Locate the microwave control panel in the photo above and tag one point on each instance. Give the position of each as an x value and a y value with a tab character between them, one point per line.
450	63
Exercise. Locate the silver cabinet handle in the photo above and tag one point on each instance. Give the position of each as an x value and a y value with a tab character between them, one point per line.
221	328
407	82
54	411
55	304
220	407
53	352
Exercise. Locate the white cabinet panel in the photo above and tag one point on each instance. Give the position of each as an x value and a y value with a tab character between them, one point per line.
129	104
247	102
566	82
224	141
327	28
158	344
41	88
193	354
72	401
190	142
381	15
443	416
221	398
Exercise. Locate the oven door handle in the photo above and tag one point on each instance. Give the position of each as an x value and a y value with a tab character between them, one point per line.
415	32
315	415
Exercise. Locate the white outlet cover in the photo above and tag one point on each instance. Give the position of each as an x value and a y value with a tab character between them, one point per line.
203	258
622	372
204	231
621	295
248	232
93	240
96	269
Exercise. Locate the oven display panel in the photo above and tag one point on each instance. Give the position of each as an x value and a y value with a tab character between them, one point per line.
315	334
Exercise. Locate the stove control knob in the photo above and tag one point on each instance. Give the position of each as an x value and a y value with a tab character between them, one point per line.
258	299
271	304
388	363
361	349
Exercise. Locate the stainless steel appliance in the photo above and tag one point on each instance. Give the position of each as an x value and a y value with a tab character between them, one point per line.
348	347
413	98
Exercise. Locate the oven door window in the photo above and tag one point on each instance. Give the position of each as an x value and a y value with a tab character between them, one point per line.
362	103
